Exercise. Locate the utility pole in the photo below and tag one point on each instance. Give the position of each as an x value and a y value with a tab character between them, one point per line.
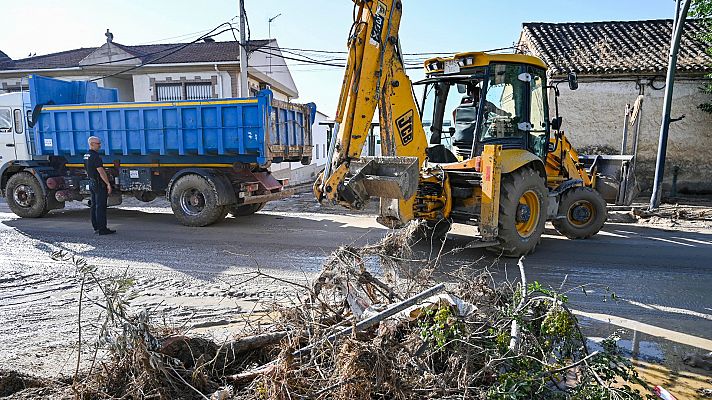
269	34
681	9
244	91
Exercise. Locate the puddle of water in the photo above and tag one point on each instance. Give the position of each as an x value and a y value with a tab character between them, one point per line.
658	361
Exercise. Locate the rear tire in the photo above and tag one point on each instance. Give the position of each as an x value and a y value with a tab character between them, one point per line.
195	202
245	209
522	212
24	196
585	213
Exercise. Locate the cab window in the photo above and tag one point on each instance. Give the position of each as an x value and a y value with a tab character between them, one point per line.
504	104
538	137
18	121
5	120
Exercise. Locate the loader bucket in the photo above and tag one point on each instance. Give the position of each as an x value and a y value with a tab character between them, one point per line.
616	177
385	177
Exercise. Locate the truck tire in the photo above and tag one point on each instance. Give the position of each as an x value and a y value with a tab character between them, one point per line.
585	213
195	202
24	196
522	212
245	209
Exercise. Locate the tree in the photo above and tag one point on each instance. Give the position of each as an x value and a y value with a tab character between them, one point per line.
702	9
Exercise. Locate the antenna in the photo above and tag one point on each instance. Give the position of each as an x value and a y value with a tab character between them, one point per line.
269	36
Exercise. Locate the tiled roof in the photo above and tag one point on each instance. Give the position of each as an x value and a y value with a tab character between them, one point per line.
615	47
152	53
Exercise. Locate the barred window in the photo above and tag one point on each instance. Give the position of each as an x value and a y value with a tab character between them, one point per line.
169	91
183	91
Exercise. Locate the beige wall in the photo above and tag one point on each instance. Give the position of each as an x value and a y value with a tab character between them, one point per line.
593	116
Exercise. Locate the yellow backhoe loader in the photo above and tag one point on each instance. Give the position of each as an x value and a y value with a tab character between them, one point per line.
479	150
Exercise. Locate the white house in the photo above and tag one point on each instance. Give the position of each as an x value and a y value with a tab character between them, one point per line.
157	72
616	62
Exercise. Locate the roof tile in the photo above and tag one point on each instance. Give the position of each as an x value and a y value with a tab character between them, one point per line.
614	47
151	53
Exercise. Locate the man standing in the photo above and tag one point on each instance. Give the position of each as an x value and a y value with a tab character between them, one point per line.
99	186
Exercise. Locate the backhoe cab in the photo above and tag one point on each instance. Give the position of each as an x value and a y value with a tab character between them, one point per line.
475	151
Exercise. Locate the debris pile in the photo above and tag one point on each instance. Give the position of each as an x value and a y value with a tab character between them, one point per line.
356	334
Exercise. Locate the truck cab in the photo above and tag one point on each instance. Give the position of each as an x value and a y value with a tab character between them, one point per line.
13	128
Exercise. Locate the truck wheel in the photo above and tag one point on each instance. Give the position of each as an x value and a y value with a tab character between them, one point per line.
584	213
245	209
194	201
24	196
522	212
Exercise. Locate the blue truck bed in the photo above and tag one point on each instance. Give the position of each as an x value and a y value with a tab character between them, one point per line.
256	130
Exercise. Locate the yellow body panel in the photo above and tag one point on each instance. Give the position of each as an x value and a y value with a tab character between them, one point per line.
513	159
563	164
481	59
491	179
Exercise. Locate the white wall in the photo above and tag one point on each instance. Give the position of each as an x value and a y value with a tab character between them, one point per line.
143	89
593	116
125	87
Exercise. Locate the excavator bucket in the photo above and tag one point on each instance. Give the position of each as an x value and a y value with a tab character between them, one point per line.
385	177
616	177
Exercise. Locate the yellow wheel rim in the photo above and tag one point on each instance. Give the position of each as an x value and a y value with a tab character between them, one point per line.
581	213
528	213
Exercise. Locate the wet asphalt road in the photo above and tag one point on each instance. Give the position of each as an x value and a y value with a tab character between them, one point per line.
662	278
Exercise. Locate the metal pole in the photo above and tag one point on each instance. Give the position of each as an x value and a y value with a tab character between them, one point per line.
678	27
243	53
626	123
269	34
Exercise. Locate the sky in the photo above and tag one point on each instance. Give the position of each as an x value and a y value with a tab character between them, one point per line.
47	26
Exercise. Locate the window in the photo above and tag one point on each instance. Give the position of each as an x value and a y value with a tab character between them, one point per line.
172	91
538	137
18	121
198	91
169	91
317	151
5	120
504	104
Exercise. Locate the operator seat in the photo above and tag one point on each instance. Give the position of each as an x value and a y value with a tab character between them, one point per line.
465	116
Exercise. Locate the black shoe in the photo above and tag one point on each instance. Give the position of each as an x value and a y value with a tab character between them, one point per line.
106	232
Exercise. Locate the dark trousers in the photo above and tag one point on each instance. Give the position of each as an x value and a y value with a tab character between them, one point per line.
98	205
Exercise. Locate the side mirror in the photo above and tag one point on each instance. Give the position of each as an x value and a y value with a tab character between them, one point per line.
461	88
573	81
556	123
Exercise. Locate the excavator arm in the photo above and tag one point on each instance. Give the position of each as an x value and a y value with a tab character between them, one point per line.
375	78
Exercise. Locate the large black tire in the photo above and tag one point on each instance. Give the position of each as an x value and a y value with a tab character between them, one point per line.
24	196
522	212
245	209
195	202
584	213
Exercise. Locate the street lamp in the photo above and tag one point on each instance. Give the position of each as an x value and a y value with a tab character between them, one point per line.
269	34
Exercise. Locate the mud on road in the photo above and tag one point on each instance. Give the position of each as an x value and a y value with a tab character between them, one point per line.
204	278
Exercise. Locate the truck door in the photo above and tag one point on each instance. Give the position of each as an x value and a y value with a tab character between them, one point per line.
7	135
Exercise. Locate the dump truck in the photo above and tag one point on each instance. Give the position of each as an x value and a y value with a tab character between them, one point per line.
480	148
208	157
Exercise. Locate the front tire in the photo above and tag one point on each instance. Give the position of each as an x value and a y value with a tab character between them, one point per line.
522	212
24	196
195	202
582	213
